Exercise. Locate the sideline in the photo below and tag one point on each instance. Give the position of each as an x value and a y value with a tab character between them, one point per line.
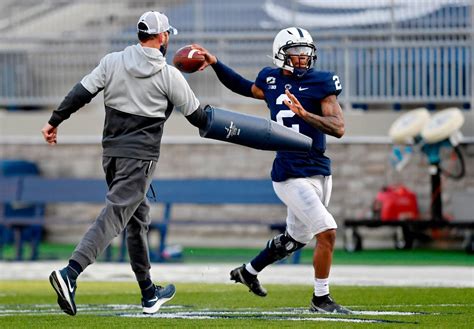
419	276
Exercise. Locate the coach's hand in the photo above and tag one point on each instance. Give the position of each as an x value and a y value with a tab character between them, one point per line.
50	134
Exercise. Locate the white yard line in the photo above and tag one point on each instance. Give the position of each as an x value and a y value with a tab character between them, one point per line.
422	276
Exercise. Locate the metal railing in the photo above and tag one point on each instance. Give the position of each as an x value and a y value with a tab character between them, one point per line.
390	60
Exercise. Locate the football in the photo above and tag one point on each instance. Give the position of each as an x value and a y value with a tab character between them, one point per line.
187	59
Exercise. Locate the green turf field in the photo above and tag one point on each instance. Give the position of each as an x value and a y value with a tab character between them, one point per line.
49	251
31	304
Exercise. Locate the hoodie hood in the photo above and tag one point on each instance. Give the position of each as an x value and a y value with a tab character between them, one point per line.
143	62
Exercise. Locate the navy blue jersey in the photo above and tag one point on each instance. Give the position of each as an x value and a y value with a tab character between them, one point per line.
309	90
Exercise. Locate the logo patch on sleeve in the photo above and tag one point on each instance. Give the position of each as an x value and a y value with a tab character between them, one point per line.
271	80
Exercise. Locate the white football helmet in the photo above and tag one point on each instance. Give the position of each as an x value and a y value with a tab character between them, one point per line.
293	41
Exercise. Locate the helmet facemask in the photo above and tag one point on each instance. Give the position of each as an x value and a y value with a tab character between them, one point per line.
295	54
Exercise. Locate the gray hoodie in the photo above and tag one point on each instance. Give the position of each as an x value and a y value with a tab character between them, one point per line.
138	81
140	91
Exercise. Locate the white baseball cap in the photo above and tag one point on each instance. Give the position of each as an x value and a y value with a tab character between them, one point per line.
154	22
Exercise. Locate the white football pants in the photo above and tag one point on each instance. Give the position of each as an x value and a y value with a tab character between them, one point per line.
306	199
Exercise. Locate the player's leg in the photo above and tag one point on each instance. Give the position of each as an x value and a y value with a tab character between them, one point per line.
277	248
323	251
308	198
153	296
127	184
322	260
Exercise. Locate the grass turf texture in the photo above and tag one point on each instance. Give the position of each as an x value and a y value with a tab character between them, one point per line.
32	304
50	251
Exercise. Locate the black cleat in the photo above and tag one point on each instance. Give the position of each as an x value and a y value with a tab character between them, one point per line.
325	304
241	275
65	289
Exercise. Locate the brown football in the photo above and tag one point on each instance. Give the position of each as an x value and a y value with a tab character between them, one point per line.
187	59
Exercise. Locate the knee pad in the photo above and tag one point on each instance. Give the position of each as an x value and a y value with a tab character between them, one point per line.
283	245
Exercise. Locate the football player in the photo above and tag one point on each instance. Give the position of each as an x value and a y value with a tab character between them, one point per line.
303	99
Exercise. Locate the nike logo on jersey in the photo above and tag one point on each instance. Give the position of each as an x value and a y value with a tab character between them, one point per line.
302	89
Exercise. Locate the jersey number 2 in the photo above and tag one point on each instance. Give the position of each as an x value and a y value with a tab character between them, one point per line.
285	113
337	83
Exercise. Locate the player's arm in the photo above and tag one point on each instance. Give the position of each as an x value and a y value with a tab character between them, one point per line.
332	120
236	82
229	77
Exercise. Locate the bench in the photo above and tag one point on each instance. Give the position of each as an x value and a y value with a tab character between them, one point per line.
169	192
35	191
406	231
16	220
